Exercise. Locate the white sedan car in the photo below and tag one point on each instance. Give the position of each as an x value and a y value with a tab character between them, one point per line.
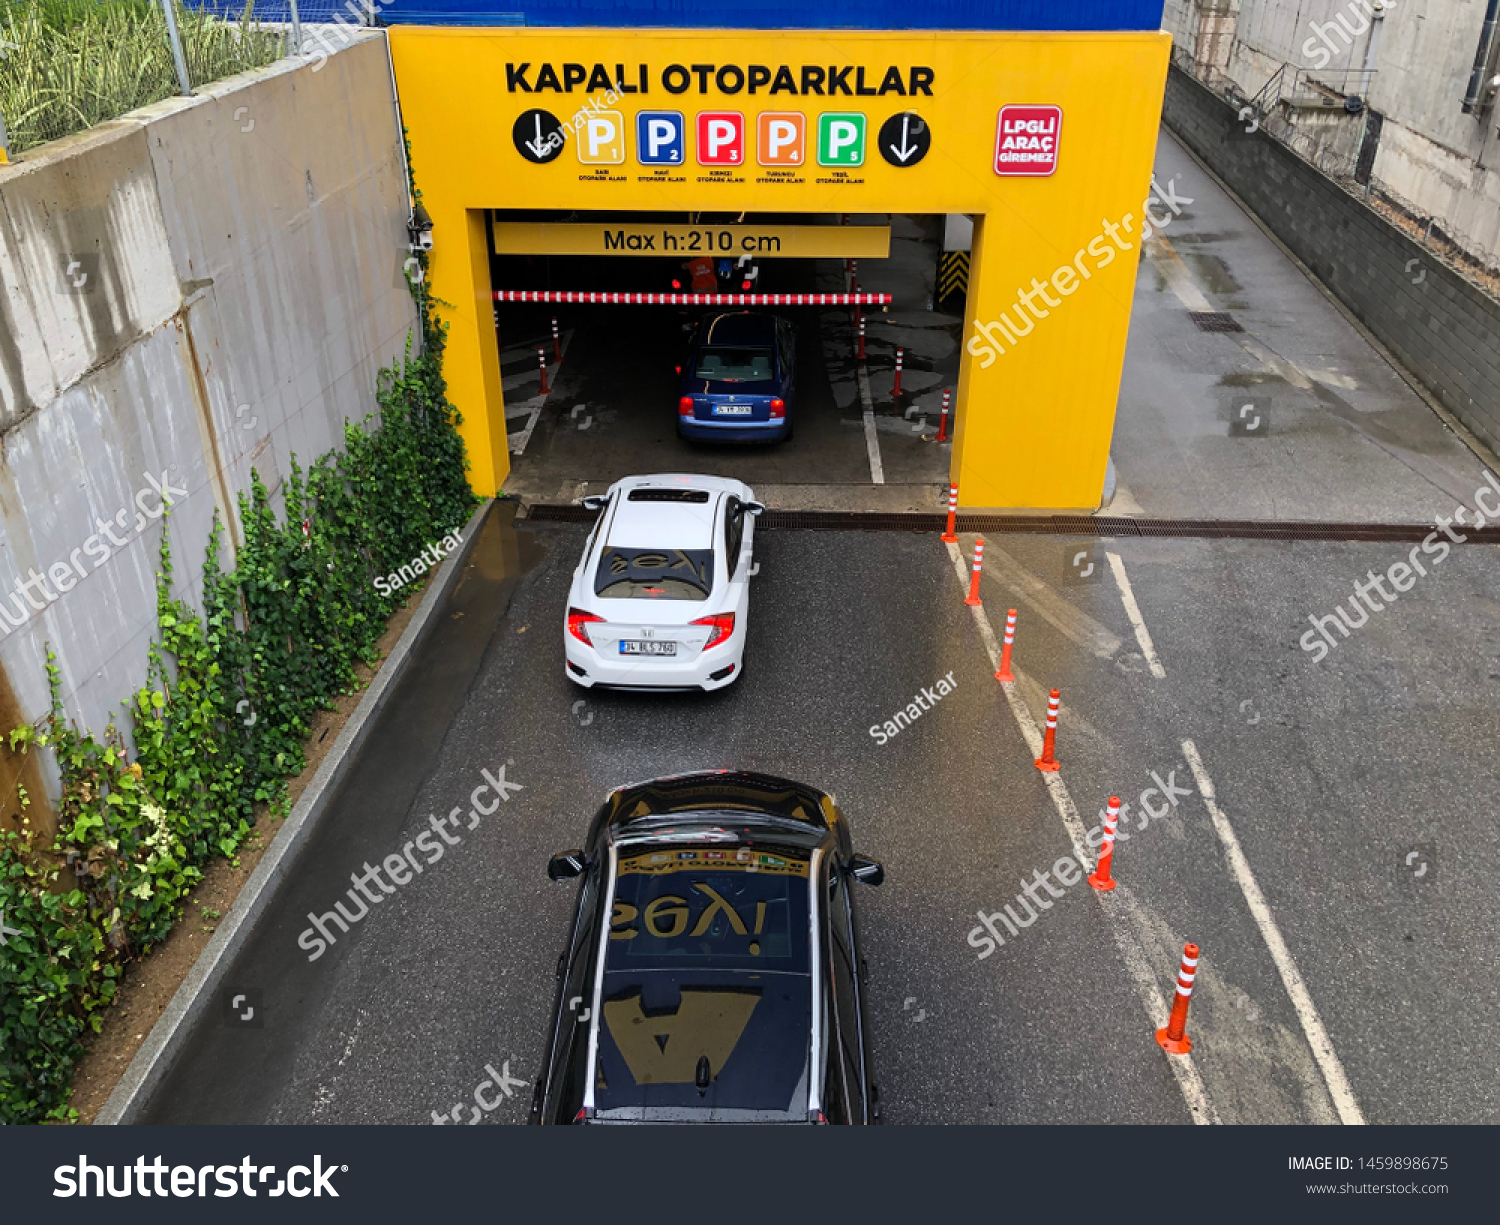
660	599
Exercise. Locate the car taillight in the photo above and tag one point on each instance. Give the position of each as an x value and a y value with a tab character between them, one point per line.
678	369
778	408
676	284
577	620
685	406
723	626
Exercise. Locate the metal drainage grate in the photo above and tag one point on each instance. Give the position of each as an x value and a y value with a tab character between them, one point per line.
1098	526
1214	321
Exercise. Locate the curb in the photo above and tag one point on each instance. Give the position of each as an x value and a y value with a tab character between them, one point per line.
168	1036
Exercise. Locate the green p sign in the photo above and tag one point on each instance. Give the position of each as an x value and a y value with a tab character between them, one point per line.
841	138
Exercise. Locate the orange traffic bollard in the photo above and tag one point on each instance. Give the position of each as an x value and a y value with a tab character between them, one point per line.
556	343
973	597
541	357
942	434
1048	760
1004	676
896	391
1100	877
1174	1038
950	536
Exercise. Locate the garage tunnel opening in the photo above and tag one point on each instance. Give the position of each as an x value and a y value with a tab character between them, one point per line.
750	368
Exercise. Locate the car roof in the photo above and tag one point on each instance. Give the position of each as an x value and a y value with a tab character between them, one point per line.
740	327
754	1023
664	525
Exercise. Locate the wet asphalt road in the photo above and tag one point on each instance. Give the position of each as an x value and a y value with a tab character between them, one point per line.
1360	789
1329	773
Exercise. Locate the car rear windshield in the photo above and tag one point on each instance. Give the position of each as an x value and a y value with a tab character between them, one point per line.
654	574
707	1000
721	364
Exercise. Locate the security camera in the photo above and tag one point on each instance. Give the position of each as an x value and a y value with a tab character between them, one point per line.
419	229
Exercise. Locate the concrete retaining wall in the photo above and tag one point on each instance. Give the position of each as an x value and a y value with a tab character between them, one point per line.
205	286
1433	158
1442	328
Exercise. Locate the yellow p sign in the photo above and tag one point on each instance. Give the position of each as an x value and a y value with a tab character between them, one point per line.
601	142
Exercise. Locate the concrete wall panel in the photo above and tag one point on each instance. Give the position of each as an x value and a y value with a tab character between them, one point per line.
244	253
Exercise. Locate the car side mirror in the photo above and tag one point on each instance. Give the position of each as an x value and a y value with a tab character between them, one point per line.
596	501
754	508
870	871
566	865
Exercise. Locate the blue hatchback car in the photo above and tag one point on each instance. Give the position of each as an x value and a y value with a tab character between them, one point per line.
739	384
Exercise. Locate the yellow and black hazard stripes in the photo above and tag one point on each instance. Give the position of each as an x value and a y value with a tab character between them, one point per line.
953	275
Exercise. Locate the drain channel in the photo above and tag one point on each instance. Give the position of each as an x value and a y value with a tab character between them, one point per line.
1066	525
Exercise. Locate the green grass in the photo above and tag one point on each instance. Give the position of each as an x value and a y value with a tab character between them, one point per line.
69	64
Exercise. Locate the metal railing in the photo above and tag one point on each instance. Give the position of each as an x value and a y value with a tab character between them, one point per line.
1312	87
66	65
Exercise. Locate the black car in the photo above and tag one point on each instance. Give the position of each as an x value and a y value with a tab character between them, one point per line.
714	973
739	382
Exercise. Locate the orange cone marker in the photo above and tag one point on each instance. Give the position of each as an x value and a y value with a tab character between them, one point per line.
1174	1038
1004	675
950	536
1100	877
1048	760
973	597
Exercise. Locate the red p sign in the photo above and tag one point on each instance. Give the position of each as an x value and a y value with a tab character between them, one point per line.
721	138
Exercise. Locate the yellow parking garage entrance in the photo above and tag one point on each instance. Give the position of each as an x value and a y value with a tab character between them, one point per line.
1046	140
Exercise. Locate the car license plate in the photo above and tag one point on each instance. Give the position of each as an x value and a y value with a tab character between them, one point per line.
733	410
628	647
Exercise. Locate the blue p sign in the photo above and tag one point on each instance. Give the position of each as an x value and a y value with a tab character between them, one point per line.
659	138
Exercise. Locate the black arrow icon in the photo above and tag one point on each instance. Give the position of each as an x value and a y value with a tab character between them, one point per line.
905	139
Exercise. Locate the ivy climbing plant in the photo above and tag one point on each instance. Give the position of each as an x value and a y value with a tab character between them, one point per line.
222	721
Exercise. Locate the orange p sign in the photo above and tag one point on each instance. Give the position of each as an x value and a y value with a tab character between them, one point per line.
781	138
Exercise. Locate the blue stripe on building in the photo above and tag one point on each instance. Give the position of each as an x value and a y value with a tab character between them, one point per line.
757	14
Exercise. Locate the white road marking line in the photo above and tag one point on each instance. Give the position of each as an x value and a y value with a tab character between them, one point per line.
518	440
872	438
526	376
1050	606
523	346
1307	1013
1133	611
1166	260
1035	694
1118	904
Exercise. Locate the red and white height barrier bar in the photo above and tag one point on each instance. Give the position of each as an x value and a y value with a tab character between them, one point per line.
692	299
